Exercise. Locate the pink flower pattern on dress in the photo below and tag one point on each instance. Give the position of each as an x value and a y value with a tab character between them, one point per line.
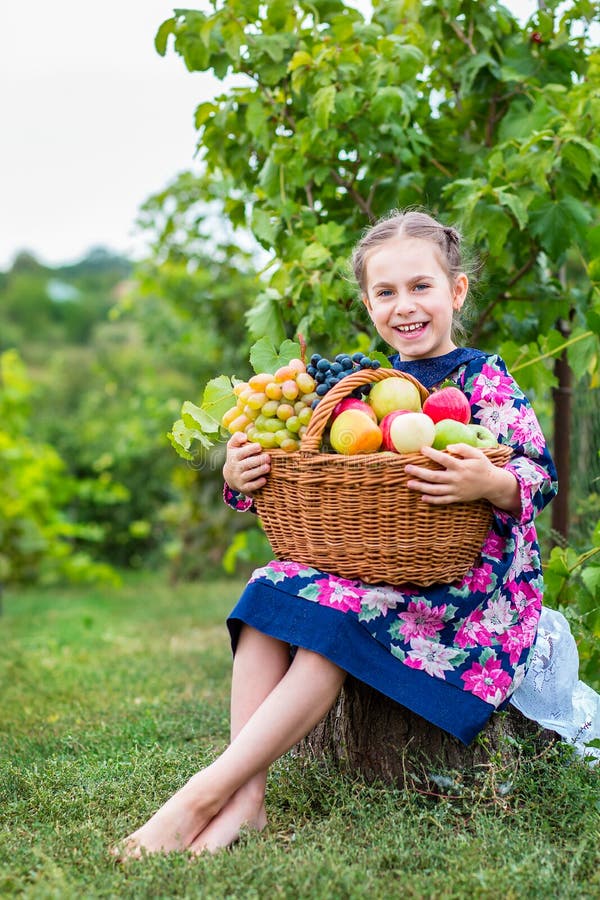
479	579
512	642
472	633
421	620
339	593
432	657
494	545
498	418
488	681
492	386
498	615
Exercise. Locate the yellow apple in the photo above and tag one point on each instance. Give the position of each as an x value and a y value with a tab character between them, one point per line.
394	393
355	432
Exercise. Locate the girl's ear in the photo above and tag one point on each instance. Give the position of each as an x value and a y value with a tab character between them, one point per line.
366	301
459	294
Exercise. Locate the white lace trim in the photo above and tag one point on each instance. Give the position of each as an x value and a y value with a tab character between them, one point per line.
552	693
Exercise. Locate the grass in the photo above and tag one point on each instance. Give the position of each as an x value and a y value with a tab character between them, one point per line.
112	698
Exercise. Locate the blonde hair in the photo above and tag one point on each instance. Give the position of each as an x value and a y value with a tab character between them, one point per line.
412	224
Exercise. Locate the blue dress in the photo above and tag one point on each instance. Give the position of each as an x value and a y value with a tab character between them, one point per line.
451	653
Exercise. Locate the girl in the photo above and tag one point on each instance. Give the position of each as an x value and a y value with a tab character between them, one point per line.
452	653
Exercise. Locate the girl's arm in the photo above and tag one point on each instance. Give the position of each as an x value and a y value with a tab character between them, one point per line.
467	474
527	482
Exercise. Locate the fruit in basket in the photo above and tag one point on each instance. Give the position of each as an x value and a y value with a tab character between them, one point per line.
352	403
355	432
386	424
327	373
271	409
485	438
394	393
449	431
448	403
411	431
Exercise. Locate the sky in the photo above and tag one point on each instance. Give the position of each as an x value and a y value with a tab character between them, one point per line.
93	121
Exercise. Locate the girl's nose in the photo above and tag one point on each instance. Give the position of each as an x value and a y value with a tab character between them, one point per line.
405	303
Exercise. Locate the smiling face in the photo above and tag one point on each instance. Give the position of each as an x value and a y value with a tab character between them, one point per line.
410	297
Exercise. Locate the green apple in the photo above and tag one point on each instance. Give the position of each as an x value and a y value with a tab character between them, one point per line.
485	438
394	393
449	431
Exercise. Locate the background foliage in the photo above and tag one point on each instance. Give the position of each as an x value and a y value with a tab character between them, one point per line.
331	121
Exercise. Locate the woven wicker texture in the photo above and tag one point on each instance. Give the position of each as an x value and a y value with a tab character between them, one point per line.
354	516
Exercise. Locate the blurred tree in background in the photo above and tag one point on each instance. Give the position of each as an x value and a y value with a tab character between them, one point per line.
333	120
107	354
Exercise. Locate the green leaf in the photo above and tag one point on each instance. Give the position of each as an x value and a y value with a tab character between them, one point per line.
523	119
322	105
330	234
233	35
181	439
288	350
582	353
264	226
264	357
257	116
591	578
314	256
582	159
473	66
195	417
273	45
299	59
514	204
264	320
203	112
382	358
162	36
218	396
558	224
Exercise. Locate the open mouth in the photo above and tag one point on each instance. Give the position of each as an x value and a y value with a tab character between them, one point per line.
413	328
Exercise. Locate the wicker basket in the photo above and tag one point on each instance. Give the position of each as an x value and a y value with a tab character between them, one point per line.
355	517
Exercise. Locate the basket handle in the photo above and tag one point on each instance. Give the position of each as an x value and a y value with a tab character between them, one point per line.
320	417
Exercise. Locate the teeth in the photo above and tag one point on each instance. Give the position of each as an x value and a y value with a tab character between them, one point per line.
410	327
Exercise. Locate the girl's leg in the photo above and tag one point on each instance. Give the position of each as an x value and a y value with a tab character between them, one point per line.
300	699
270	731
260	662
251	682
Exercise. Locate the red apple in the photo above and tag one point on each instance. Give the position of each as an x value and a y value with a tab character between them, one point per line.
448	403
385	426
352	403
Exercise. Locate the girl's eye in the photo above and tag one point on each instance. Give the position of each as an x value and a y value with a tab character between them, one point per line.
422	286
385	292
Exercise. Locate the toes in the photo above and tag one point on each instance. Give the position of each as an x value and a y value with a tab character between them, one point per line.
126	850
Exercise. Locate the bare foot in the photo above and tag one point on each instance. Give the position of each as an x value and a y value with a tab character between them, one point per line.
174	826
240	812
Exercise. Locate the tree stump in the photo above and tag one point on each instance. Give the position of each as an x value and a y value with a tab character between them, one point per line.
368	734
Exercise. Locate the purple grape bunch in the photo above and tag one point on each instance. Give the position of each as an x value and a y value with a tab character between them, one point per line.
329	372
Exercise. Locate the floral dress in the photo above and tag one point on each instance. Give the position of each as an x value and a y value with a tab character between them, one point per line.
452	653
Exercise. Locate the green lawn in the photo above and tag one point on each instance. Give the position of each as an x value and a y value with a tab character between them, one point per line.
112	698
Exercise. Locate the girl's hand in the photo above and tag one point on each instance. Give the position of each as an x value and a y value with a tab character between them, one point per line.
467	474
246	464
